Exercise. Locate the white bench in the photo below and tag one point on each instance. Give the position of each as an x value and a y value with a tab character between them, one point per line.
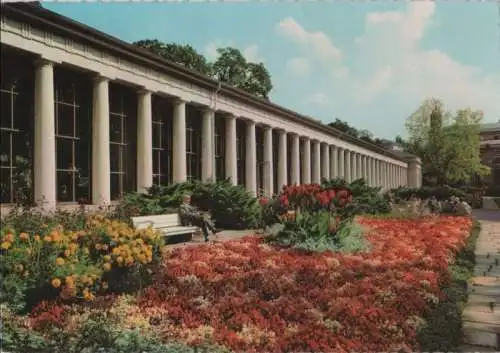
169	224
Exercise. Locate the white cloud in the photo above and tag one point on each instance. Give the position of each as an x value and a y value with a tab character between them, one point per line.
299	66
391	43
389	72
318	98
316	46
251	52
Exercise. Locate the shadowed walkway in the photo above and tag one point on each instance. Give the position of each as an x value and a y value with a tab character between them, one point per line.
481	317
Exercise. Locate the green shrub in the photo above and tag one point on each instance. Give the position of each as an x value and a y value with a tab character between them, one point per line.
441	193
74	264
231	206
365	199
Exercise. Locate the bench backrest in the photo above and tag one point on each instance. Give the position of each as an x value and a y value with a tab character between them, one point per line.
158	221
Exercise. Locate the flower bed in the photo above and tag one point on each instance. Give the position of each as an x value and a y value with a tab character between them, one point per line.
249	296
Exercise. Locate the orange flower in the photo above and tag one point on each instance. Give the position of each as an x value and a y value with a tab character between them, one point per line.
56	283
23	236
36	237
47	239
60	261
9	238
106	266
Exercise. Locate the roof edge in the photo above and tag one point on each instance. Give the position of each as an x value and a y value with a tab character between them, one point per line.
36	15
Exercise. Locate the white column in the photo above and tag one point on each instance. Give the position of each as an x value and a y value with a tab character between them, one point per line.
207	145
306	162
101	165
358	171
325	165
316	163
365	169
373	181
251	159
268	161
334	162
282	160
347	166
144	141
340	164
230	162
179	142
295	172
375	173
44	165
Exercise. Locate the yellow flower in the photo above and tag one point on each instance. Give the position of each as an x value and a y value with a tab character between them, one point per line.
56	283
106	266
87	295
26	274
23	236
6	245
9	238
47	239
107	258
60	261
119	260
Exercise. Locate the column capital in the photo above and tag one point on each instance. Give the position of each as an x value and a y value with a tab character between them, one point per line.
178	101
41	61
208	110
97	78
144	91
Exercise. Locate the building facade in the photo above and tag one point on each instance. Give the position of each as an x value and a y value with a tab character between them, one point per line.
490	151
89	117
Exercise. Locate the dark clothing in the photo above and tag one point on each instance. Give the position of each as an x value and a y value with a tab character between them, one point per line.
190	214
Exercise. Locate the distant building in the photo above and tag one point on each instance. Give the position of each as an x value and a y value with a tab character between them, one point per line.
490	151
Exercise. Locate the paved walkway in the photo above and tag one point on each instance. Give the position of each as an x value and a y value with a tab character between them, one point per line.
481	317
222	236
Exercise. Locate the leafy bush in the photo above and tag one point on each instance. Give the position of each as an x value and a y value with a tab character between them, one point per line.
73	264
439	192
365	199
231	207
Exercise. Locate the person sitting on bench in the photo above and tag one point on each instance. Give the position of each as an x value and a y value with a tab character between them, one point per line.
191	214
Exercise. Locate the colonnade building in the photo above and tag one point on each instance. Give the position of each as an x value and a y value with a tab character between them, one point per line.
87	116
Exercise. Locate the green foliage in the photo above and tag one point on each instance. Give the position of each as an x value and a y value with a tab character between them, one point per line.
99	334
231	206
365	199
447	145
230	67
441	193
443	331
180	54
361	134
318	232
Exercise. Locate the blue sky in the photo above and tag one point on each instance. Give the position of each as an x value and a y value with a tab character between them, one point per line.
369	63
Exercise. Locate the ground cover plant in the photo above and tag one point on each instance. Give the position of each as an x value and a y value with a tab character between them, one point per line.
246	295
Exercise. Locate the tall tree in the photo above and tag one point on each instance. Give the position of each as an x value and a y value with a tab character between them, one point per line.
448	145
230	67
184	55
